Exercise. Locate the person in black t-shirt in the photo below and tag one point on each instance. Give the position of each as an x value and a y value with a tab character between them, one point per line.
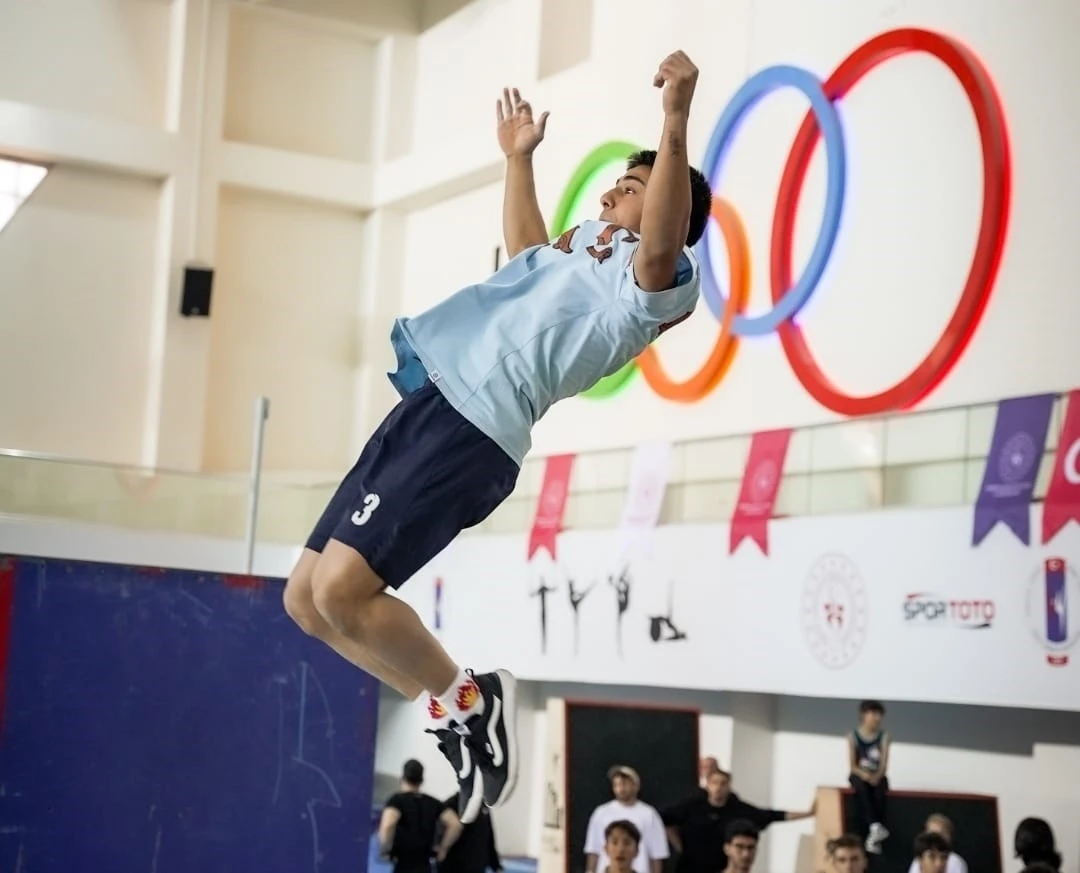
409	821
697	826
474	851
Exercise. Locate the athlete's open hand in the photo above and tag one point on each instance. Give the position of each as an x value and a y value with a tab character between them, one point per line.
678	76
519	133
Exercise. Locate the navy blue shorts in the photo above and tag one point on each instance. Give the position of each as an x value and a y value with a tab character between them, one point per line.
424	476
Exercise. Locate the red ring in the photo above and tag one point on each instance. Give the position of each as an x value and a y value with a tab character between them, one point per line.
997	184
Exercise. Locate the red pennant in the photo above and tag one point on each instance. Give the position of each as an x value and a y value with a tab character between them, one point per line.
550	507
1062	503
761	482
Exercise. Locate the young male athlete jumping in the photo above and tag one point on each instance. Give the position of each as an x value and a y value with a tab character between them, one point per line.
475	373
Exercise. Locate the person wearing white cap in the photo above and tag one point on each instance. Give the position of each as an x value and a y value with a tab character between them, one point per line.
653	848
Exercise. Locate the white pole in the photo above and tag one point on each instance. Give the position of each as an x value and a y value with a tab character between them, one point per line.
262	413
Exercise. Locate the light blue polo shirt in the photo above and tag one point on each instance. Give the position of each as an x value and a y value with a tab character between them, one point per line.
547	325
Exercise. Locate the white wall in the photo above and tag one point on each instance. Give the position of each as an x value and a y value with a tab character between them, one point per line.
108	58
914	185
204	94
195	96
299	85
76	269
283	325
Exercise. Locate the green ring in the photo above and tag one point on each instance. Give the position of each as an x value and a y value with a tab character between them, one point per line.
586	171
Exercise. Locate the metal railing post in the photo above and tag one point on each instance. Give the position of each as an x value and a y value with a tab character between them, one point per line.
262	413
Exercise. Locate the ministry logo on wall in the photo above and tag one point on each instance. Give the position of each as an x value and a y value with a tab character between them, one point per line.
926	609
834	611
1053	609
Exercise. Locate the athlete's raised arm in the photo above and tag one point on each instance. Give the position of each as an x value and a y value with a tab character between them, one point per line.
519	135
665	216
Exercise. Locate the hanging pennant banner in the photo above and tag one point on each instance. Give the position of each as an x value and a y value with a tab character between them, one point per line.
551	504
1012	466
1062	503
649	471
760	484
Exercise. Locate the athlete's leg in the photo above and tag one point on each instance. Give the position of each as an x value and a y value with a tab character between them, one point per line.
423	477
473	716
300	605
351	598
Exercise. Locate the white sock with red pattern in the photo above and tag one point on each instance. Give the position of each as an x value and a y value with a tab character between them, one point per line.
461	701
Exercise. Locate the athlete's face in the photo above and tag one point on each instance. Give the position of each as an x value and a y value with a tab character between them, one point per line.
622	205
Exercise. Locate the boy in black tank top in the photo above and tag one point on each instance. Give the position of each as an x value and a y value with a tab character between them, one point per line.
868	755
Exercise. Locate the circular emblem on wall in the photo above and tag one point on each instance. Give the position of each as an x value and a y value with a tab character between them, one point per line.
764	479
1017	457
834	611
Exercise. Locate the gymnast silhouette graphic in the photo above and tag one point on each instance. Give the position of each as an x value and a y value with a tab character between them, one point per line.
621	584
542	592
576	597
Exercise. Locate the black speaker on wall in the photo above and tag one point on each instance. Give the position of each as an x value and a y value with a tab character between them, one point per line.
195	295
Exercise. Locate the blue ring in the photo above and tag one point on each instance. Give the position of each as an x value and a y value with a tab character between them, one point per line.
746	98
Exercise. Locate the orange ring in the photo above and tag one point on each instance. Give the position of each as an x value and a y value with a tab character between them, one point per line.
723	352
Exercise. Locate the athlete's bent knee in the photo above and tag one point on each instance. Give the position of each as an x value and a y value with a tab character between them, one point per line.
340	595
300	606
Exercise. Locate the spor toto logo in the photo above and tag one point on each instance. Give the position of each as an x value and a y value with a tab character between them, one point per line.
791	293
925	609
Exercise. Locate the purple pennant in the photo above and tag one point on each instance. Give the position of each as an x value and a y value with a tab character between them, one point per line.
1012	466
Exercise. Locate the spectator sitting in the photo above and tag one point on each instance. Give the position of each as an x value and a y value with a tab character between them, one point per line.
939	824
868	753
847	854
652	844
931	852
740	846
621	842
1034	844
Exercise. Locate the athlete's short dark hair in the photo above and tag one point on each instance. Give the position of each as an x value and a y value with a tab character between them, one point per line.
872	706
700	194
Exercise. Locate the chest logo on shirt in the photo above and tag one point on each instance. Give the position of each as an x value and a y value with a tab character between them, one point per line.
602	250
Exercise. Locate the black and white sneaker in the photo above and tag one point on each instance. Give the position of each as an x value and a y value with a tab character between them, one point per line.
461	757
492	735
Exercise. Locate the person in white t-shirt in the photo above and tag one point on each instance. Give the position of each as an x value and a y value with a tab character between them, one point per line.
939	824
653	848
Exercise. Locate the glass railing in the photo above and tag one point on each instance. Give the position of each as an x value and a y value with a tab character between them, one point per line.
931	458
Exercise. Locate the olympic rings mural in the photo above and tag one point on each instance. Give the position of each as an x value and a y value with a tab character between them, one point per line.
790	294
